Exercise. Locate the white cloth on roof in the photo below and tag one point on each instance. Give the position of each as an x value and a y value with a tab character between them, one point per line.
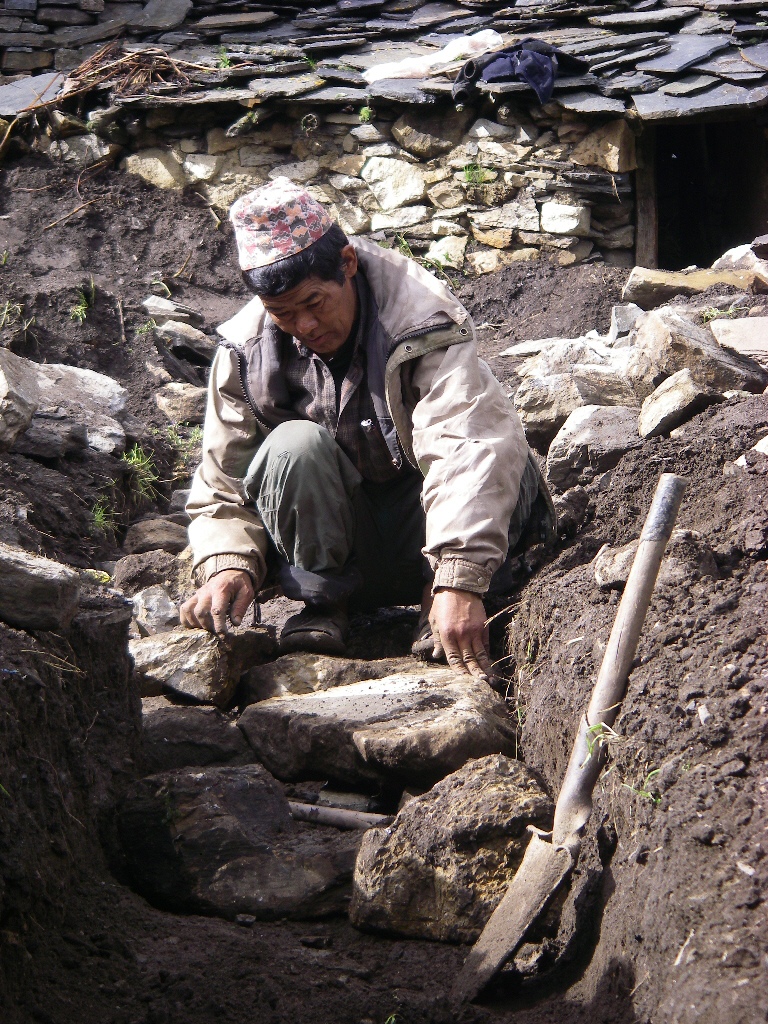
418	67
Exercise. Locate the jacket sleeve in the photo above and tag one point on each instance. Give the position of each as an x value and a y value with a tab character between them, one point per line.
226	531
471	447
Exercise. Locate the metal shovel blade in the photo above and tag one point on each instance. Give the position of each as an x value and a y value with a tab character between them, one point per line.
541	871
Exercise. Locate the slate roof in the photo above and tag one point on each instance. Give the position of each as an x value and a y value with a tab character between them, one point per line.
660	58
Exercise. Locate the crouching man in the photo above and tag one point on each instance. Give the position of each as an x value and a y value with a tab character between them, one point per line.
354	444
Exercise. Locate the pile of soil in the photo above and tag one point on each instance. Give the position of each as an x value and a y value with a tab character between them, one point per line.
678	930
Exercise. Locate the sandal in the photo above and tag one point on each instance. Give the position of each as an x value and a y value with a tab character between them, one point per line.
425	641
318	629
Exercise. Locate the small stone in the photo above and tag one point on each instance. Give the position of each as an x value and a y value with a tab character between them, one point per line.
442	866
673	402
446	195
154	611
399	219
217	141
36	592
83	150
427	137
300	172
201	167
704	713
162	309
623	320
688	557
151	534
448	251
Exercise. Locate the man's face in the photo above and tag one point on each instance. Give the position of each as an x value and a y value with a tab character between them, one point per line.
319	313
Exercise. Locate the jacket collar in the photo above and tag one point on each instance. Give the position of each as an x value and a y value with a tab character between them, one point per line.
409	298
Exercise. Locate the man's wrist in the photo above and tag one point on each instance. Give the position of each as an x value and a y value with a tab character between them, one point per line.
461	574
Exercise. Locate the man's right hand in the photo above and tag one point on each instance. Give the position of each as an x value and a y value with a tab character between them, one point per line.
228	592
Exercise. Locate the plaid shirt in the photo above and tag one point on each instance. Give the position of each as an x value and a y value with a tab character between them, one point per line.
349	416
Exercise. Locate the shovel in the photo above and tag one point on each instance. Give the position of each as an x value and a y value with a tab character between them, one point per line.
550	856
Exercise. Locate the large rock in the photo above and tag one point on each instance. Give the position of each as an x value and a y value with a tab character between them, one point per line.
222	841
16	403
394	182
52	397
440	869
196	664
545	403
36	592
673	402
157	166
83	150
612	147
519	215
182	403
651	288
311	673
748	336
179	737
151	534
668	341
410	728
592	440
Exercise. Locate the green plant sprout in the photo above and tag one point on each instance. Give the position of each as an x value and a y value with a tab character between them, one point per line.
600	733
223	61
104	518
476	175
3	257
713	313
84	302
364	114
147	326
143	474
10	314
643	790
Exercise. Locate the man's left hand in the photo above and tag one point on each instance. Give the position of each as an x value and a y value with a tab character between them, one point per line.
458	617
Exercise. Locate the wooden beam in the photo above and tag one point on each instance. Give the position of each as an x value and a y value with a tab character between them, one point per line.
647	234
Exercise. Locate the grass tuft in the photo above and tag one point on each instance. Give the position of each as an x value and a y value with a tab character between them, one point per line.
142	475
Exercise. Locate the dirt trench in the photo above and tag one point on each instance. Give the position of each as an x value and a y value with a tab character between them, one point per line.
677	928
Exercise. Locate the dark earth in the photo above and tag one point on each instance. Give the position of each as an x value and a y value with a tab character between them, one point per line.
675	929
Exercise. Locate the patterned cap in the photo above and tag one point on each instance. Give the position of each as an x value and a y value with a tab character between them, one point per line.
276	221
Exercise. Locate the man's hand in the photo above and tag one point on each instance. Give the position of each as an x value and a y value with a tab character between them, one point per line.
458	616
229	591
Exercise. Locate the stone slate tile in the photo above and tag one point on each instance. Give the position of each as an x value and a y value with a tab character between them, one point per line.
284	88
401	90
630	19
624	85
730	65
689	85
335	94
26	91
588	103
684	52
657	105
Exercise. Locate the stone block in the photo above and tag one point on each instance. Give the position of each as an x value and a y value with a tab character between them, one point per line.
36	592
592	440
200	167
565	218
747	336
157	166
651	288
673	402
162	15
217	141
399	219
17	400
611	147
428	137
688	557
310	673
222	841
186	340
442	866
301	172
182	403
623	320
448	251
394	183
154	534
176	736
412	727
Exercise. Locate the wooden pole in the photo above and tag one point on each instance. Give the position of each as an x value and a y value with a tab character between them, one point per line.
647	241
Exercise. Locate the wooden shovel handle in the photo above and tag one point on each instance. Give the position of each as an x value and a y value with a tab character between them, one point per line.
574	804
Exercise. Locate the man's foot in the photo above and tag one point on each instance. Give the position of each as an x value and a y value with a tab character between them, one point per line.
319	629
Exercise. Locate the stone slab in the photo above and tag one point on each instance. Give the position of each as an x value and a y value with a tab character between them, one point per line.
749	336
689	85
638	19
27	92
684	52
229	21
36	592
284	88
590	103
222	841
163	14
176	736
659	107
650	288
674	401
408	728
400	90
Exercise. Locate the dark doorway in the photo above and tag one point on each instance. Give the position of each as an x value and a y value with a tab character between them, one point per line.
712	190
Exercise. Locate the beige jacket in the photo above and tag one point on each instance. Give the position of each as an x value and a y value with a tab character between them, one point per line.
452	417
